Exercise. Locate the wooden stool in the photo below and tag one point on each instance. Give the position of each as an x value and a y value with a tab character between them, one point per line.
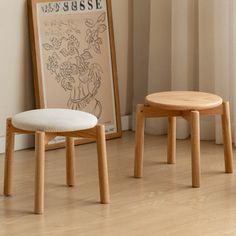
46	124
189	105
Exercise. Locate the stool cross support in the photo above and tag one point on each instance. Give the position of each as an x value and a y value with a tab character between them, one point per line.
149	110
42	138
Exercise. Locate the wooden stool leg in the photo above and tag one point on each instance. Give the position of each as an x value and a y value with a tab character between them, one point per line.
139	142
39	172
70	161
102	165
226	130
171	145
195	139
9	155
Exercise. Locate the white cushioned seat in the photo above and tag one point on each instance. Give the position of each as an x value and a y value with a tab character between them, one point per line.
54	120
47	123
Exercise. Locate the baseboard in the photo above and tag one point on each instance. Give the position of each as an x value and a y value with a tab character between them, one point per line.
21	142
126	122
27	141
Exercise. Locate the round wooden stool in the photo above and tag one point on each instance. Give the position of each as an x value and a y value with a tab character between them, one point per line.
46	124
189	105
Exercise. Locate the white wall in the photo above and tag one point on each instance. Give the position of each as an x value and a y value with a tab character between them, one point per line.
123	29
16	90
16	81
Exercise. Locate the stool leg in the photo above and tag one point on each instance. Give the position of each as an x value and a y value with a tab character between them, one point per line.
226	130
70	161
39	172
171	145
139	142
102	165
9	155
195	139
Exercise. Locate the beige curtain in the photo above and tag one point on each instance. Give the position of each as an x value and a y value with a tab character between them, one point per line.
191	46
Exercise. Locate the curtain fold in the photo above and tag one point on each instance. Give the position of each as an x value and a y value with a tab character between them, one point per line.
192	46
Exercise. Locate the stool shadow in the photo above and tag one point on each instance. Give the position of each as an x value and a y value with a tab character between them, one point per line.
151	163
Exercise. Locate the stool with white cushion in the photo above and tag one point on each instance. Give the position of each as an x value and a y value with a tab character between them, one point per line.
189	105
46	124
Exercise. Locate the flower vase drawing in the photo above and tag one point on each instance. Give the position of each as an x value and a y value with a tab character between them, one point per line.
72	66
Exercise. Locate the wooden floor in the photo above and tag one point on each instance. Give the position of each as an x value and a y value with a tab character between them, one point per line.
160	204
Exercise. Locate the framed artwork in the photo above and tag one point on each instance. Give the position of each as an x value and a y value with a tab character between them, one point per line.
74	59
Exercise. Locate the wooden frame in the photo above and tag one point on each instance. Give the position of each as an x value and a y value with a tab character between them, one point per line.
74	59
193	116
41	138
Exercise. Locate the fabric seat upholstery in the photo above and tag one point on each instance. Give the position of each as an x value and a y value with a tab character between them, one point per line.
54	120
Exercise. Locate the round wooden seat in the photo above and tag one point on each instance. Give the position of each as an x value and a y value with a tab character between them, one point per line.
184	100
189	105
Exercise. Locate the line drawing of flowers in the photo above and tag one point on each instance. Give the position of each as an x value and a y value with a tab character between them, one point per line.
74	67
93	32
52	63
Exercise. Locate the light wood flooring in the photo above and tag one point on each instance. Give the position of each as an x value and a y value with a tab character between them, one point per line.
162	203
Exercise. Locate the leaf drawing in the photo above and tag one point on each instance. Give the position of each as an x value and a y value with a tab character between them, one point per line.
89	22
102	17
102	28
47	46
99	40
56	43
64	52
97	48
86	55
95	69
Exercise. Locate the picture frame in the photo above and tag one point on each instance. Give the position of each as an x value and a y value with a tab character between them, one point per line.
74	60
